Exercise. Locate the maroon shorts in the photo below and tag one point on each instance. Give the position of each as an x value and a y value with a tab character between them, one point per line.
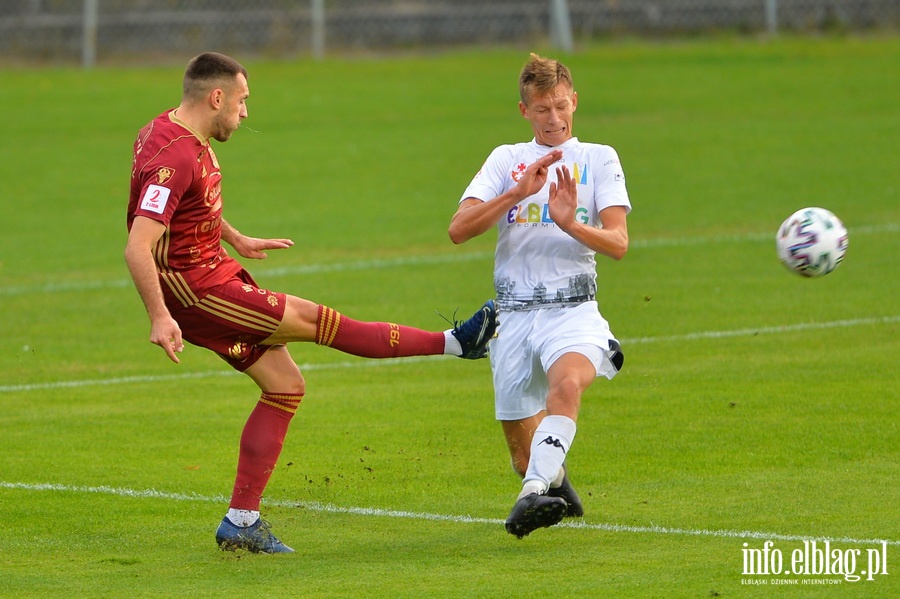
232	319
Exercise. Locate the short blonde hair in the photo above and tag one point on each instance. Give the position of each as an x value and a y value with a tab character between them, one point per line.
541	75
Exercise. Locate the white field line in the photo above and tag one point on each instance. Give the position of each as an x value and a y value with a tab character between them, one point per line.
386	513
772	330
125	380
302	269
403	261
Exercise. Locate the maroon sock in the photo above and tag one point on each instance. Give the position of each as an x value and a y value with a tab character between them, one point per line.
374	339
261	444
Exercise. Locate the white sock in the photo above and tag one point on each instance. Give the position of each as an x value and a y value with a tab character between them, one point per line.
532	486
242	518
551	443
451	344
557	482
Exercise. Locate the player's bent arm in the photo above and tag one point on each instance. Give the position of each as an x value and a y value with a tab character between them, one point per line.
611	240
230	234
233	237
473	218
142	238
251	247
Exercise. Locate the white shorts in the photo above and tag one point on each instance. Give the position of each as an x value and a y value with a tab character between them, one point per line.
530	341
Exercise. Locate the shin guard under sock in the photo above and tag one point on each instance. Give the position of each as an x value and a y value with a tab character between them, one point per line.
261	444
549	446
374	339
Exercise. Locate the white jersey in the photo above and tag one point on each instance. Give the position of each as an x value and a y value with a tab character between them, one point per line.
536	264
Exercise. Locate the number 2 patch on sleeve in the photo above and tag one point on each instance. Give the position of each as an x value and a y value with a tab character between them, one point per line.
155	199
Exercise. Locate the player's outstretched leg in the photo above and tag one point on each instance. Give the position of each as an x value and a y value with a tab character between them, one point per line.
535	511
473	334
257	538
467	339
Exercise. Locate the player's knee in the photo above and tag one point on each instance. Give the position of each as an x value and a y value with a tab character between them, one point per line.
290	380
568	389
295	387
285	386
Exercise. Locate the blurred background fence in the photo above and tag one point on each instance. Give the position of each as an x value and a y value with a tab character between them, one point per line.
87	31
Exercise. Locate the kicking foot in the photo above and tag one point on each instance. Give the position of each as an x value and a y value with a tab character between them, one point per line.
473	334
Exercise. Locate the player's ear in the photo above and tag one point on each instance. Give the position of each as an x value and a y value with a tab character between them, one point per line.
574	100
216	97
523	109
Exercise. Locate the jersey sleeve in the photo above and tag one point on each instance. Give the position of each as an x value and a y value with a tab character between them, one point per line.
609	180
163	182
490	181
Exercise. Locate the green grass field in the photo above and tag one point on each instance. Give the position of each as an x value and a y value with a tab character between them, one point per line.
754	406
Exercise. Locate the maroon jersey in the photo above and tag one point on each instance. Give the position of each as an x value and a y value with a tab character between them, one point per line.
175	180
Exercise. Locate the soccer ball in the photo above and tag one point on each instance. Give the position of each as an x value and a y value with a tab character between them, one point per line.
812	242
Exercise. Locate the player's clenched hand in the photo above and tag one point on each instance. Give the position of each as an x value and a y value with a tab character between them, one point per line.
563	200
535	176
166	333
254	247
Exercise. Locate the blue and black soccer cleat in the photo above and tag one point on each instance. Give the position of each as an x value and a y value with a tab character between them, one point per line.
256	538
473	334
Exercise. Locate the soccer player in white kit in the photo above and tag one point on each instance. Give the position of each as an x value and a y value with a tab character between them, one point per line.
556	202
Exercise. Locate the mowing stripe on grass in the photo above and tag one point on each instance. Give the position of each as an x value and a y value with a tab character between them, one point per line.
402	261
790	328
385	513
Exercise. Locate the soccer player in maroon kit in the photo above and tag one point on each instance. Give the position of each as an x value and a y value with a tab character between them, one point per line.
193	290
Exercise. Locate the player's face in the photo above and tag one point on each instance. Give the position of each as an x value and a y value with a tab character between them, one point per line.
233	109
551	115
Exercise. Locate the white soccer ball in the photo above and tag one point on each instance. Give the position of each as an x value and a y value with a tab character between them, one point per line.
812	242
